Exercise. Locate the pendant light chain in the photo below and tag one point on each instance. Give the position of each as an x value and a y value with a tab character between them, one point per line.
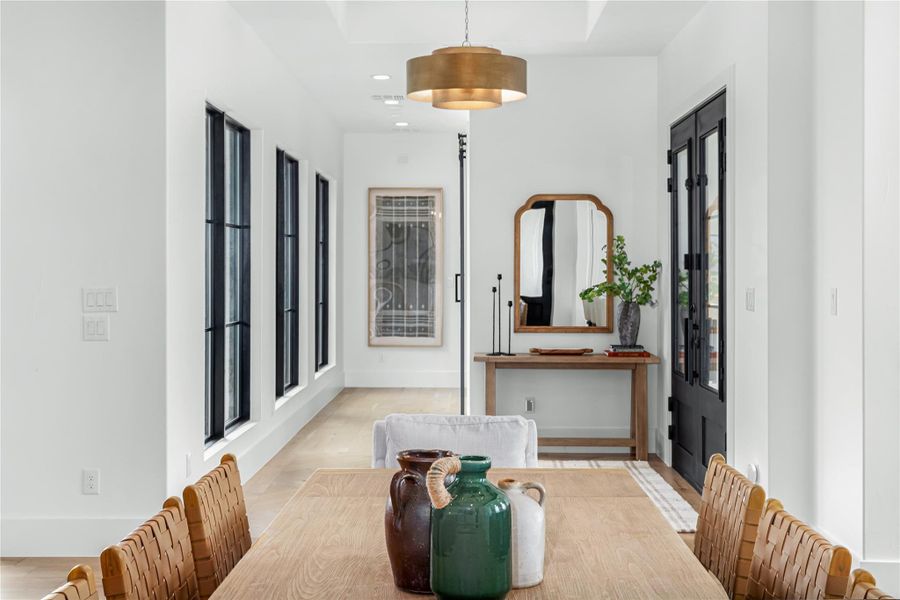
467	42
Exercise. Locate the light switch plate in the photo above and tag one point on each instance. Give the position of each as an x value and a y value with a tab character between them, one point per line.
100	299
95	328
750	299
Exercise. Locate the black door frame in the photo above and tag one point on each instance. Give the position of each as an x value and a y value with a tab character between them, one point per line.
699	413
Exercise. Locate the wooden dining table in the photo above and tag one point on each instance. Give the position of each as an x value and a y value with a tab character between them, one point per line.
604	539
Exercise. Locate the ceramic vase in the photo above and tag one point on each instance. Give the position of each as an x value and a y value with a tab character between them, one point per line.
527	531
407	521
471	529
629	321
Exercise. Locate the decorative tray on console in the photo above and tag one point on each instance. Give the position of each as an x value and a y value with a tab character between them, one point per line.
562	351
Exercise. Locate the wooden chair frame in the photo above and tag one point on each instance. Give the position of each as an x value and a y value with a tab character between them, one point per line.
727	525
791	560
217	519
80	585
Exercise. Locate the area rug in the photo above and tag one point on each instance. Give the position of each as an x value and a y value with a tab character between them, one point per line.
680	515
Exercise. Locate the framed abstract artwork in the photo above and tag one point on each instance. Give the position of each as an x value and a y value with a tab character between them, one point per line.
405	266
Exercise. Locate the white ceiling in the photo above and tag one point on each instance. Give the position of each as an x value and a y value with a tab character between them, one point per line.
334	47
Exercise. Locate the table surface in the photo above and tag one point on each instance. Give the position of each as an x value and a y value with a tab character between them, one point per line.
572	359
605	539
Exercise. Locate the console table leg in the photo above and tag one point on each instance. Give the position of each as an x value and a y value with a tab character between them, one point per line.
490	389
639	410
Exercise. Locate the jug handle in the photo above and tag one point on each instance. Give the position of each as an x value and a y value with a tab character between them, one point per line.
439	470
534	485
398	478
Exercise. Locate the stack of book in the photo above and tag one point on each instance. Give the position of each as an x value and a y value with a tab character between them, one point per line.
626	351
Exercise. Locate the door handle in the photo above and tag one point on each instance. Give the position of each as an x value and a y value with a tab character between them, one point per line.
456	287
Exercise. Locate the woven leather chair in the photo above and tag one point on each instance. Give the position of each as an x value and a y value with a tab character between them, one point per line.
862	587
154	562
217	517
730	511
80	585
791	560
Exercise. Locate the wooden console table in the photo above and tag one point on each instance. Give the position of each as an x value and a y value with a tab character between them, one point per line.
637	365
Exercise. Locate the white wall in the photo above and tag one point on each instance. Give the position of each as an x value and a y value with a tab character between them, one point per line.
213	55
790	249
588	126
398	160
83	192
881	292
838	189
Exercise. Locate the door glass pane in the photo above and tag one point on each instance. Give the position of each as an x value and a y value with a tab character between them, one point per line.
288	358
232	274
711	248
288	270
232	371
682	199
209	381
233	170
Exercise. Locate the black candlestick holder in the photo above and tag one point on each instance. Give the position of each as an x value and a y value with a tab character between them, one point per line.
495	341
509	312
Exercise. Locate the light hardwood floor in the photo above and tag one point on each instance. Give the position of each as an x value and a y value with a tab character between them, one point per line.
340	436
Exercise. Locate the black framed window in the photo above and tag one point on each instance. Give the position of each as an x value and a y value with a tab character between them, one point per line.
227	273
287	260
322	291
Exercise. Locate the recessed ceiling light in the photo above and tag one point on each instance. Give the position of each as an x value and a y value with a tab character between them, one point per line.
381	77
392	102
401	124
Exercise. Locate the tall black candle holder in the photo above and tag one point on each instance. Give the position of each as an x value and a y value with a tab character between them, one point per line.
509	306
499	315
495	351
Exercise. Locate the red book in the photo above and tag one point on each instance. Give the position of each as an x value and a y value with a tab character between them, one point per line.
612	353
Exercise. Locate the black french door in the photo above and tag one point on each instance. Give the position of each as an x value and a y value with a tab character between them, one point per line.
697	189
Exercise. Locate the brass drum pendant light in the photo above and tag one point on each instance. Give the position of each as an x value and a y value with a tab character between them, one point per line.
466	77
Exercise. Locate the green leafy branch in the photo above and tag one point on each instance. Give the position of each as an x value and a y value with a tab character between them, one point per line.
631	284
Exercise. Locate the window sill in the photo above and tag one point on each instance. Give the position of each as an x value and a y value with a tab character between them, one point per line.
288	396
231	436
321	372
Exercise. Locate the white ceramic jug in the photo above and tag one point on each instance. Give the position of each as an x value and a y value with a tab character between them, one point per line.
527	531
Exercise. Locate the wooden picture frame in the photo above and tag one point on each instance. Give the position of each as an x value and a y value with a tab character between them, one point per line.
405	287
518	327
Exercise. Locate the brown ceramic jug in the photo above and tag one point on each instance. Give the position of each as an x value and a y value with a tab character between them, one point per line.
407	520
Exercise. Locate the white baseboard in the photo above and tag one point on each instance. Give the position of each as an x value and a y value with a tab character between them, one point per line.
887	574
63	536
398	379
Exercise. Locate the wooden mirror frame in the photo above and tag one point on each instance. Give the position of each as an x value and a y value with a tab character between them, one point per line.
518	327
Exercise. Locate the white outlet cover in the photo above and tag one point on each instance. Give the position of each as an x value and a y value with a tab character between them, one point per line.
90	481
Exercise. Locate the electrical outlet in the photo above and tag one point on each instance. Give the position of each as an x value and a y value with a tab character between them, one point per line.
90	481
529	404
187	464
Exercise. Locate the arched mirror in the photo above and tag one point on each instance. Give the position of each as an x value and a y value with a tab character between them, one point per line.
561	241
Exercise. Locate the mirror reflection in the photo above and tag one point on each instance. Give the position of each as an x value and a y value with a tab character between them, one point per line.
560	251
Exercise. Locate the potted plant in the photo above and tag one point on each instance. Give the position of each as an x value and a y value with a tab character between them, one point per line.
633	285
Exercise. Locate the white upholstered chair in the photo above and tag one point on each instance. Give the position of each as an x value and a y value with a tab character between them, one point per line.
510	441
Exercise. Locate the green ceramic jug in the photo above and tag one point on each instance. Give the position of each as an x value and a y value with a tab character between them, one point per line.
471	528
